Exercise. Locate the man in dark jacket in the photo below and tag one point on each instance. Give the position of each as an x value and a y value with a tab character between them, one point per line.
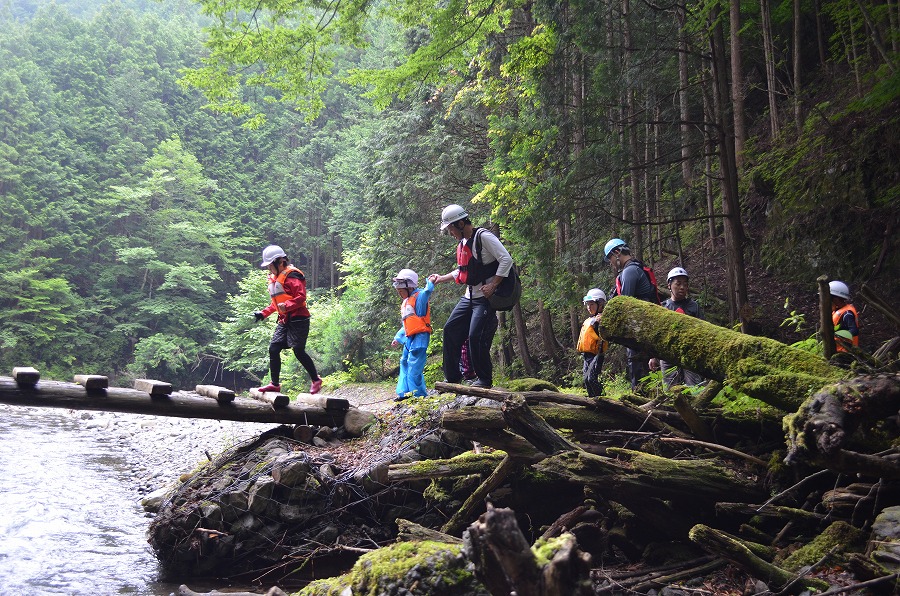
632	279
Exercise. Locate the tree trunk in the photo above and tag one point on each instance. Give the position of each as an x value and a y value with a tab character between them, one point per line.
734	229
769	57
637	244
737	81
798	84
522	341
760	367
683	108
547	335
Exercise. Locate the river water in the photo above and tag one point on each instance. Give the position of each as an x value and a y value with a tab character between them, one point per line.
71	521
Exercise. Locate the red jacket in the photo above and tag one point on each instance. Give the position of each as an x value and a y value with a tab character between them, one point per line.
295	286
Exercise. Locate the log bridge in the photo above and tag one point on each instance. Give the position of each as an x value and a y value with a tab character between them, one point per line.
92	392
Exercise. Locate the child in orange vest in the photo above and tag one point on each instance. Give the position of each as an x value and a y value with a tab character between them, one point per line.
843	316
414	335
591	346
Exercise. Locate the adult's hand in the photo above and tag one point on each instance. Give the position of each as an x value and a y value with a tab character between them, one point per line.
436	278
489	289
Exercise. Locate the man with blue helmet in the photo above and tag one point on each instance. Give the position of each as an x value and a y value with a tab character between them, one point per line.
636	280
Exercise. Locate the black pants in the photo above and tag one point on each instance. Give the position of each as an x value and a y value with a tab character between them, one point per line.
637	366
476	320
593	363
293	335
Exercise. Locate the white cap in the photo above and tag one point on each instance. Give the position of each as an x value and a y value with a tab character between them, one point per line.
406	278
839	289
594	295
676	272
452	213
270	253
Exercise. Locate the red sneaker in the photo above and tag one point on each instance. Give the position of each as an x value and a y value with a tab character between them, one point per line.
316	386
270	387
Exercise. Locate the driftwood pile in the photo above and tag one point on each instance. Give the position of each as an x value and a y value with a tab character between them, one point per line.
801	495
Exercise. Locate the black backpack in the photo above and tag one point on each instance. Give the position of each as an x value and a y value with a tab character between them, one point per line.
509	291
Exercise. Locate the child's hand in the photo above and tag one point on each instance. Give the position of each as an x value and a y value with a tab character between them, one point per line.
653	364
394	343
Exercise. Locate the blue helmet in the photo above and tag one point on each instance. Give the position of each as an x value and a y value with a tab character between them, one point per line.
611	246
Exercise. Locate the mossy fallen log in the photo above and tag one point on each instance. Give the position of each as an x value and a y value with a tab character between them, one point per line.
841	415
641	475
721	544
604	417
461	465
434	568
763	368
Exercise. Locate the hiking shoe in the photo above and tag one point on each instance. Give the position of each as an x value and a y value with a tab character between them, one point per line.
316	386
480	383
270	387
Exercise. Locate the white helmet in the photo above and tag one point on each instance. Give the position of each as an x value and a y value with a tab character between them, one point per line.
839	289
270	253
452	213
406	278
594	295
676	272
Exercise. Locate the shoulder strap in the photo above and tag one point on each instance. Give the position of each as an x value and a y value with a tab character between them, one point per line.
476	237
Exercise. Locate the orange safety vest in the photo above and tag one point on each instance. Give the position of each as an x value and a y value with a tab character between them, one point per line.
276	290
836	319
589	341
413	323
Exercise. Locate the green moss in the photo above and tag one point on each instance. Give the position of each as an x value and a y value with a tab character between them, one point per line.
423	409
441	570
545	549
763	368
531	384
840	536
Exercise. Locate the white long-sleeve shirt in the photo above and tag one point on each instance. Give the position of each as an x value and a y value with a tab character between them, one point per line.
491	250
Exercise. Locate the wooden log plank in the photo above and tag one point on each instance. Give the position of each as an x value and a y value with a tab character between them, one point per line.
220	394
26	376
56	394
153	387
92	382
321	401
273	398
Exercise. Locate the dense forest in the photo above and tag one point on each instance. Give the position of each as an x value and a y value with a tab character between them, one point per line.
148	151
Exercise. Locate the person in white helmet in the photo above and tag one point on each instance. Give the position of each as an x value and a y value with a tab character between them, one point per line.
591	345
287	288
843	316
678	283
414	334
483	263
